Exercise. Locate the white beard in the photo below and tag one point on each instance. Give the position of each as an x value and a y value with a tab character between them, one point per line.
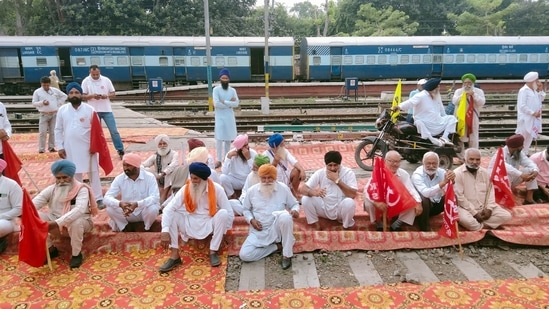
197	191
162	152
267	190
254	179
281	152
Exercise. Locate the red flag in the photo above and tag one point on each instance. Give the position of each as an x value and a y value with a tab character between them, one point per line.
500	181
33	234
451	216
98	144
14	164
386	187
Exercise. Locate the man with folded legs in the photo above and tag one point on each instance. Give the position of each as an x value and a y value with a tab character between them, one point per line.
11	199
70	207
199	209
269	208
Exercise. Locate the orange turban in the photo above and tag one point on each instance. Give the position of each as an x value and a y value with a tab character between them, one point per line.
267	170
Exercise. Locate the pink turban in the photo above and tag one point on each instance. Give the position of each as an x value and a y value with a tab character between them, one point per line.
3	165
240	141
132	159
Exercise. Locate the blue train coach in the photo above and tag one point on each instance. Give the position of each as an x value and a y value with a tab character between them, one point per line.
371	58
131	61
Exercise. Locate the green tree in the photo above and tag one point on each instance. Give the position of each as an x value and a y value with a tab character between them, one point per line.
485	18
385	22
528	19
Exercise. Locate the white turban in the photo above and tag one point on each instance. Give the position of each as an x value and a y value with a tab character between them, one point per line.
161	137
531	77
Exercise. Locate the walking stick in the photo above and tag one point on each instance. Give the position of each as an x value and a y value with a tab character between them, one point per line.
459	240
385	221
48	257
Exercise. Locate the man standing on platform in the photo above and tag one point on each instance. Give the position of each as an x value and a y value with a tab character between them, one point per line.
475	196
199	209
431	182
519	167
73	136
138	193
98	91
529	110
475	101
225	100
47	100
11	199
269	208
70	207
5	127
330	192
392	161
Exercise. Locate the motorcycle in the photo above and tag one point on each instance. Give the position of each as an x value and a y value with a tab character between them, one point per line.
404	138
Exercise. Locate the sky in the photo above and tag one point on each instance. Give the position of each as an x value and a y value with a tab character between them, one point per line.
289	3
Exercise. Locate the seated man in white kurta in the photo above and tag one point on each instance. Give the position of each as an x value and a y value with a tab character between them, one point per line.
330	192
237	165
139	197
11	201
252	179
199	209
269	208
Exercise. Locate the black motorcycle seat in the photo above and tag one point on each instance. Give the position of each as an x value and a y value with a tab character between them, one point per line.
406	128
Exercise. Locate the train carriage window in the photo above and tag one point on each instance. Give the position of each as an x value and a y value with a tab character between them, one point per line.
513	58
405	59
438	58
415	59
179	61
163	61
316	60
232	61
348	60
95	60
109	60
460	58
502	58
543	58
471	58
220	61
41	62
491	58
382	59
523	58
447	58
359	59
393	59
122	61
427	59
205	61
81	61
481	58
137	60
533	58
370	60
195	61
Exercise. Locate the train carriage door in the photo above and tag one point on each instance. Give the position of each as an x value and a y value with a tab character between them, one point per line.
137	63
335	63
65	68
179	64
257	64
437	63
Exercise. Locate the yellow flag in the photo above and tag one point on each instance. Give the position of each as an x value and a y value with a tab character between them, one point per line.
396	101
461	114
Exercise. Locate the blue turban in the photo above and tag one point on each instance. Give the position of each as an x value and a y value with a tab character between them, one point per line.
200	169
74	85
275	140
431	84
64	166
224	71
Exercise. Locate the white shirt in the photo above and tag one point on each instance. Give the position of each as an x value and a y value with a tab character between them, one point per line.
256	206
54	96
142	190
284	167
528	102
236	167
72	133
102	86
4	122
54	196
334	194
428	187
199	224
11	199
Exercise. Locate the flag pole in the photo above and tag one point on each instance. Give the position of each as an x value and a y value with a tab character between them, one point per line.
385	220
490	186
48	257
32	180
459	240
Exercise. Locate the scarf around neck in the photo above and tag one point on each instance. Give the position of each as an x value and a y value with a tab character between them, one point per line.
189	203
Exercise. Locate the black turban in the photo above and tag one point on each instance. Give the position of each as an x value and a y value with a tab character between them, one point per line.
200	169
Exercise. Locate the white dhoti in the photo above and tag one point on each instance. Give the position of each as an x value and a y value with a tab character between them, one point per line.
516	180
428	128
182	225
499	217
7	227
118	220
76	231
260	244
95	183
237	207
344	211
231	183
